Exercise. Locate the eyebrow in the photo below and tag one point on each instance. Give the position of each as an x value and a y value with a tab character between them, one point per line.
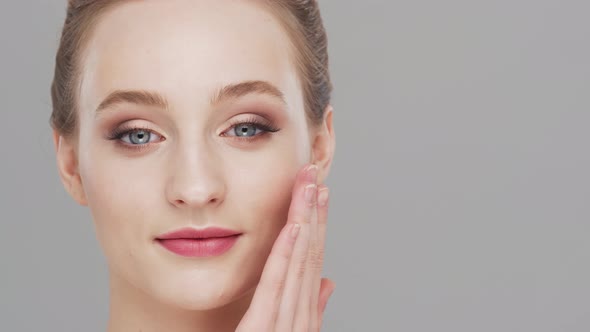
227	92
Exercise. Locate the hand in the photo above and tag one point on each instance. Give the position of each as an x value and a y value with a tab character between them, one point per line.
291	295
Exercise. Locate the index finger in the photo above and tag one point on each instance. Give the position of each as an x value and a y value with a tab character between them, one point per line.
299	211
270	288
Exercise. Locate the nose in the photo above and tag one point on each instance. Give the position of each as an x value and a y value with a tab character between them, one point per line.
195	180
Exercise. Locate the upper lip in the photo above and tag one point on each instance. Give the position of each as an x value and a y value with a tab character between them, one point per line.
193	233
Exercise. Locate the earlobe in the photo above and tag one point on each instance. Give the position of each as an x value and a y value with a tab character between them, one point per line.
324	145
67	166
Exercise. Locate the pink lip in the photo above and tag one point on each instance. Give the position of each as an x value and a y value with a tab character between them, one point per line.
190	242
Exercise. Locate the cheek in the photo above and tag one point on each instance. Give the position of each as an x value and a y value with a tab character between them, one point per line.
120	203
262	208
264	202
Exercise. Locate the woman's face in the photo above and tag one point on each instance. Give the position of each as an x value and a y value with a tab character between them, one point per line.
195	166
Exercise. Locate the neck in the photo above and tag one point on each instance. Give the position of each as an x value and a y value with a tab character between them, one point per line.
131	309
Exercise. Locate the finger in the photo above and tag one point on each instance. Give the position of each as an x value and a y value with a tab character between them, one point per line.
305	315
299	213
322	215
297	266
270	287
326	289
292	289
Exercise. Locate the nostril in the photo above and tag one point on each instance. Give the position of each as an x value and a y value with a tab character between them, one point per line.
183	202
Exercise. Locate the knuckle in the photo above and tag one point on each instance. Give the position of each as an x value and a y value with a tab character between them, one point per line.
279	286
316	259
301	270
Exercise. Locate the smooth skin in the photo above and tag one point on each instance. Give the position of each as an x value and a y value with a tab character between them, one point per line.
194	171
291	295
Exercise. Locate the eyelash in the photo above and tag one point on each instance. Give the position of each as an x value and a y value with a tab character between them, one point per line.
265	125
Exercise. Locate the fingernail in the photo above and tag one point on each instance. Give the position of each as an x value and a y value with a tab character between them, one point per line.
310	193
295	230
312	173
323	196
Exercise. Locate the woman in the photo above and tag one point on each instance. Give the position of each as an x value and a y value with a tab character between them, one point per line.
192	129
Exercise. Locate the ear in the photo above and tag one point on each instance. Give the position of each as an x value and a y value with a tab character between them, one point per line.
67	165
324	144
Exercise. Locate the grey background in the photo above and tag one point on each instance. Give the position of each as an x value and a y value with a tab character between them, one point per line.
460	186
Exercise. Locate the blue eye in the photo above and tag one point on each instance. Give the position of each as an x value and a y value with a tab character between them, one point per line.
134	138
138	136
246	129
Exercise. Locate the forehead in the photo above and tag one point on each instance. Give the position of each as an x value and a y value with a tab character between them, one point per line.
185	50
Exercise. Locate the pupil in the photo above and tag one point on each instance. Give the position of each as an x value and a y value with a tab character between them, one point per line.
140	137
243	130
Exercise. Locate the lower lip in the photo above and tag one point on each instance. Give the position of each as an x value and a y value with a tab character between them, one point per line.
213	246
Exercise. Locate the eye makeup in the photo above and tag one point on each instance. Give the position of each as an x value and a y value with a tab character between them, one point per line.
262	125
125	131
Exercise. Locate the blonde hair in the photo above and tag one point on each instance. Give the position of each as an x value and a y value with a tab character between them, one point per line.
301	20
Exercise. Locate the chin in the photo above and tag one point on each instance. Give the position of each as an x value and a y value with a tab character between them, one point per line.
202	291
